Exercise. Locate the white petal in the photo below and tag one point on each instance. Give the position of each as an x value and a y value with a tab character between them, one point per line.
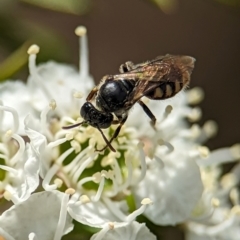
28	179
16	95
38	214
133	231
95	214
174	189
38	141
60	80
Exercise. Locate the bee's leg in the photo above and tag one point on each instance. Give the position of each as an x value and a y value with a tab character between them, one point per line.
149	113
106	141
92	94
126	67
122	121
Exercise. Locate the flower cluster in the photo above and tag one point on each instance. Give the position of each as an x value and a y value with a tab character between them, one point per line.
53	176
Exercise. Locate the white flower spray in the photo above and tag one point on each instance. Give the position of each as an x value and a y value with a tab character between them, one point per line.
166	174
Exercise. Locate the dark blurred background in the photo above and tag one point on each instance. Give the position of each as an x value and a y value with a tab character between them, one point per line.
136	30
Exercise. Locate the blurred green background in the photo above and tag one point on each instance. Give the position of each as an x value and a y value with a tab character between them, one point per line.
136	30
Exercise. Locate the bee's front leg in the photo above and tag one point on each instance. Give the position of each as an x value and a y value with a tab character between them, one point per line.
92	94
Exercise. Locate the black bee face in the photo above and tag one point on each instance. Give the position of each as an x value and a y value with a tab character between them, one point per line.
95	117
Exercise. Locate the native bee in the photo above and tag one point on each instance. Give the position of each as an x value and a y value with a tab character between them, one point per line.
159	79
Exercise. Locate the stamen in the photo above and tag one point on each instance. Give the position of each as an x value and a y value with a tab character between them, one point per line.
8	135
70	191
74	165
76	146
215	202
52	104
84	199
117	172
82	167
195	95
159	161
228	181
222	155
32	236
43	117
63	215
56	143
235	151
15	116
7	195
210	128
167	112
33	51
77	94
203	151
100	190
53	170
170	147
143	162
112	207
9	169
130	173
234	196
58	182
81	31
195	114
21	149
101	234
133	215
83	181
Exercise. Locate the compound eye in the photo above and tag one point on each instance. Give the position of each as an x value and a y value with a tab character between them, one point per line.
106	121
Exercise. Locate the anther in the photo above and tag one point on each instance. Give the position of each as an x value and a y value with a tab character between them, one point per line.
77	94
203	151
84	199
111	225
210	128
52	104
80	31
195	114
235	150
70	191
146	201
34	49
58	182
8	134
195	95
215	202
7	195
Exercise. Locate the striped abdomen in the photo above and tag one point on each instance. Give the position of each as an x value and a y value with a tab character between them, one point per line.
165	90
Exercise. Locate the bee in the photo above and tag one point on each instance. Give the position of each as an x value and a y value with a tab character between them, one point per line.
158	79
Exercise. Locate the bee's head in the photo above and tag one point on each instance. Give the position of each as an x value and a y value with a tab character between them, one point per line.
94	117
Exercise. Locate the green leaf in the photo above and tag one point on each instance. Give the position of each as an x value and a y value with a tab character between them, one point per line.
14	62
77	7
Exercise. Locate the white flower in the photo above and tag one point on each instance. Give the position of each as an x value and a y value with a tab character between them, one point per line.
19	167
43	215
15	94
217	216
133	231
173	180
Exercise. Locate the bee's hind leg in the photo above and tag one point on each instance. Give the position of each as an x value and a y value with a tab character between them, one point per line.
149	113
